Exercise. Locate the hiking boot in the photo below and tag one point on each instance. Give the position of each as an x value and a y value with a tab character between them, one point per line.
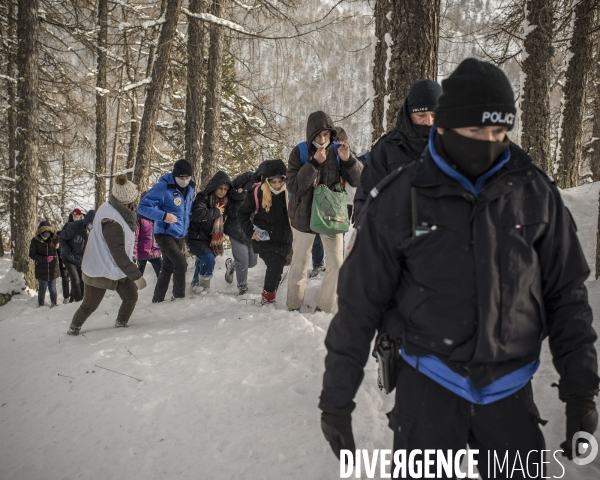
316	270
229	270
119	324
66	300
204	283
268	297
73	330
243	289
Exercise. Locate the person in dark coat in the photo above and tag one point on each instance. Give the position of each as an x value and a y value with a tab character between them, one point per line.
467	260
210	210
405	142
73	240
241	246
43	250
168	204
321	168
264	219
75	215
108	259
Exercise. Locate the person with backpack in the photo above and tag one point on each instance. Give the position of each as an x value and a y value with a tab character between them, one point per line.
168	204
241	246
464	262
108	260
210	211
73	240
264	219
405	143
146	249
43	250
318	161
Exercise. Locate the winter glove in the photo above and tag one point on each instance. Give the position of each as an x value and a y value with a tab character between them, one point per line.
49	258
140	283
581	413
336	424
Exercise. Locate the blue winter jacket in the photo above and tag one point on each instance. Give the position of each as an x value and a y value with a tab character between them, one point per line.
165	197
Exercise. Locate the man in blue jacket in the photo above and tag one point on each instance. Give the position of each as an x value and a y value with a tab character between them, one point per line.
169	204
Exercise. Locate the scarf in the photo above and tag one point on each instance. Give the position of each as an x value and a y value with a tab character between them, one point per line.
414	141
130	216
217	237
268	192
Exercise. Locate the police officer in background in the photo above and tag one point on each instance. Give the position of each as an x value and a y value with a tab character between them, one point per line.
469	258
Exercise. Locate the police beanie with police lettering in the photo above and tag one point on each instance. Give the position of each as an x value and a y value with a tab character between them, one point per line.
423	96
182	168
476	94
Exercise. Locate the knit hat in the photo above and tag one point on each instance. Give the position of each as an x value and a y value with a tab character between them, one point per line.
423	96
182	168
476	94
124	191
76	211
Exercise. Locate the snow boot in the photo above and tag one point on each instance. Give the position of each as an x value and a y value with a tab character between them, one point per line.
119	324
316	270
73	330
204	283
268	297
243	289
66	300
229	270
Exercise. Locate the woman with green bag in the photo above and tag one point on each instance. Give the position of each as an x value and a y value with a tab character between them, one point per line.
318	164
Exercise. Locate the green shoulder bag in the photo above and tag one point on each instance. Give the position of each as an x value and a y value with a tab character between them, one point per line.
329	211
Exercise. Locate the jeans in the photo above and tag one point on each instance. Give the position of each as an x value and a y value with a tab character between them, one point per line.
245	258
174	263
205	265
318	252
126	289
155	262
47	285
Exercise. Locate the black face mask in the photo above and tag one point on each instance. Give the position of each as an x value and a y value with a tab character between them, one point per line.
472	157
422	130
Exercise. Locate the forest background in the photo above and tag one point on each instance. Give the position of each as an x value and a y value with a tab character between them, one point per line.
94	88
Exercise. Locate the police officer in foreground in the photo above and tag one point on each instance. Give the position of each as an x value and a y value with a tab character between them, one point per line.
468	260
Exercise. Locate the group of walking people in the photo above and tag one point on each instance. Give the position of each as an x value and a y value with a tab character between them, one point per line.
463	260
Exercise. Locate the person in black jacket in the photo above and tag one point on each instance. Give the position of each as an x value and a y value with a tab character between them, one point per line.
73	240
43	250
264	219
467	260
405	142
241	246
205	238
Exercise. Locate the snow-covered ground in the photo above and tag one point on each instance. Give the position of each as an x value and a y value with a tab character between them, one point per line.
222	388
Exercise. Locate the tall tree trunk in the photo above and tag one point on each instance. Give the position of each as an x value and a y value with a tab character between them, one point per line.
27	137
576	77
113	163
382	32
535	117
194	105
101	95
595	157
210	145
153	98
415	27
11	87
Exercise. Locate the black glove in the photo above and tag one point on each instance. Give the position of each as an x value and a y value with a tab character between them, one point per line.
581	413
336	424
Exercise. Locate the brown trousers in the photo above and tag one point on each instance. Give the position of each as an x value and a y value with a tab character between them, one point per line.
92	297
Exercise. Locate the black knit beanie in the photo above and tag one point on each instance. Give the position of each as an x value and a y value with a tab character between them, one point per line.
423	96
182	168
476	94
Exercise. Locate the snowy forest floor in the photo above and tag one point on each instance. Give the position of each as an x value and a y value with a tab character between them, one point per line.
223	387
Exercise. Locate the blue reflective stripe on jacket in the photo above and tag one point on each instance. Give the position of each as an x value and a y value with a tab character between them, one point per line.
165	197
464	181
442	374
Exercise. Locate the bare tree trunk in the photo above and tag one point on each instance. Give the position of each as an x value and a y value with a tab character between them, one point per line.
595	156
194	105
27	137
382	32
153	98
116	138
415	30
210	145
598	243
11	73
576	77
63	187
1	245
101	93
535	117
